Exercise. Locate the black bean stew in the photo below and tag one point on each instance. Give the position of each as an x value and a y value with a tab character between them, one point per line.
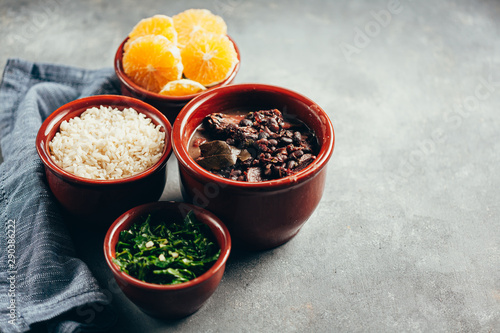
256	146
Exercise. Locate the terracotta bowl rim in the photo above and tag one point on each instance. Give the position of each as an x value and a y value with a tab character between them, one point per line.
187	162
120	223
55	119
124	79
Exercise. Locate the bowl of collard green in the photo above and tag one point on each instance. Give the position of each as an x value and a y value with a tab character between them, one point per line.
167	257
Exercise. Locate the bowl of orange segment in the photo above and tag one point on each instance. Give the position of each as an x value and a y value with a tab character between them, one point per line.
167	61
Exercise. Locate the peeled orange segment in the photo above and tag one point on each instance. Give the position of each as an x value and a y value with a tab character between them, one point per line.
157	25
209	59
182	87
152	61
191	22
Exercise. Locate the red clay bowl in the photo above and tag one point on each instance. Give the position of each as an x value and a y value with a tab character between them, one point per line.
169	301
100	201
259	215
168	105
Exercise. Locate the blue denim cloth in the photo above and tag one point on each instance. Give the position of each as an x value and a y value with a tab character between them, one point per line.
42	278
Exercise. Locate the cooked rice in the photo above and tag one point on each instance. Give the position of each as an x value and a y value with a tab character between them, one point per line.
106	143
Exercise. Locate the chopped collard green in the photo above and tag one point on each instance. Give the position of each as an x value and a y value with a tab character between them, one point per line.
166	253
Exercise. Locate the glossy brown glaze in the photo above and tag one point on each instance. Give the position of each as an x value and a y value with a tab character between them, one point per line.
265	214
169	301
170	106
101	201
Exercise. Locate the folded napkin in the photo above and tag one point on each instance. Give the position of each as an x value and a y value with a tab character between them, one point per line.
42	282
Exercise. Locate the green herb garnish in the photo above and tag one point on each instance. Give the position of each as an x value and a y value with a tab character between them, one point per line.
161	253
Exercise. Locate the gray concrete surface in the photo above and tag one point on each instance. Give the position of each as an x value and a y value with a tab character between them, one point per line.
407	236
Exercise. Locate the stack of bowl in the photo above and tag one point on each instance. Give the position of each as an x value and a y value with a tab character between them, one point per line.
259	215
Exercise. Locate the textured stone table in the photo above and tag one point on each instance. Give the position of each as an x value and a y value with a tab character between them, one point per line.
407	236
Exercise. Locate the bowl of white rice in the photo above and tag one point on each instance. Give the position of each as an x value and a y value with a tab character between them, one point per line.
104	155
